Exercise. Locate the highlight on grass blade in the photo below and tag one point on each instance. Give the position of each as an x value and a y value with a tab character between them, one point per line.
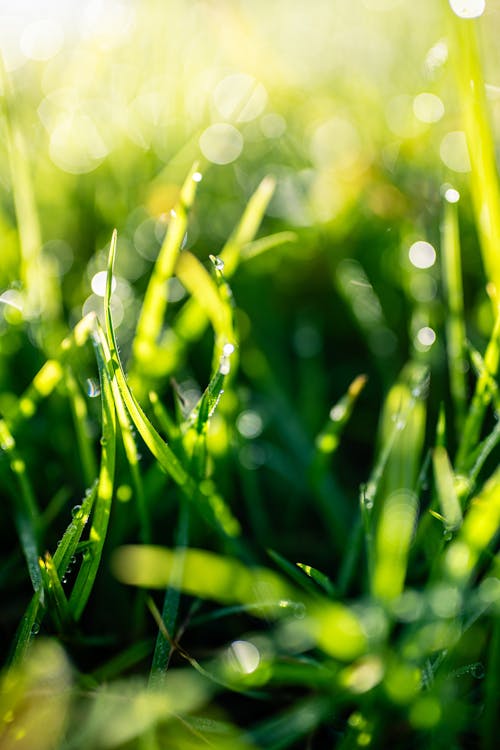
333	626
392	543
480	526
446	490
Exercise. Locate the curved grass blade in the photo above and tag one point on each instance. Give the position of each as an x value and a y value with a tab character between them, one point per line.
210	505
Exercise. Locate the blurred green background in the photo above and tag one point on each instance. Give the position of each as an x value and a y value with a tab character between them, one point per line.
351	106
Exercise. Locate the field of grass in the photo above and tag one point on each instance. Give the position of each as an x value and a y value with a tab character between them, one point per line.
249	348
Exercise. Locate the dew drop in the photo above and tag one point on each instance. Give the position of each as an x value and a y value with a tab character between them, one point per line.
103	441
93	388
35	628
218	262
75	510
197	177
477	670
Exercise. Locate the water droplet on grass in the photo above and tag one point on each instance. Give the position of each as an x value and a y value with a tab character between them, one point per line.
218	262
75	510
93	388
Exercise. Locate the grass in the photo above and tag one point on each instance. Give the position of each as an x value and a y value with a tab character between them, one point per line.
300	552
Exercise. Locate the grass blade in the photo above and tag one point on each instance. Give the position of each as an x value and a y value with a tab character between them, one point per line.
485	191
104	493
80	416
152	314
480	401
248	225
446	490
26	513
210	505
455	327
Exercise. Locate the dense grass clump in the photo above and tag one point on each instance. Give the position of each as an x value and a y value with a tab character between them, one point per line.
249	438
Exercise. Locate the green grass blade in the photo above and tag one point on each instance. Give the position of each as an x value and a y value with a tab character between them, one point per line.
68	544
104	493
455	326
57	603
169	615
80	416
206	500
28	629
480	400
318	577
295	572
25	510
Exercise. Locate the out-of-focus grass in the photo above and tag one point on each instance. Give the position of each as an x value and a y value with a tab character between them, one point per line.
197	548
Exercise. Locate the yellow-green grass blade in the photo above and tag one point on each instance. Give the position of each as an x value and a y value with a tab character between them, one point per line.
206	500
25	511
43	384
57	603
198	282
192	320
318	577
36	696
152	314
389	522
485	190
392	543
480	401
455	323
446	490
295	572
264	244
123	712
333	626
328	439
43	300
480	527
104	493
248	225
